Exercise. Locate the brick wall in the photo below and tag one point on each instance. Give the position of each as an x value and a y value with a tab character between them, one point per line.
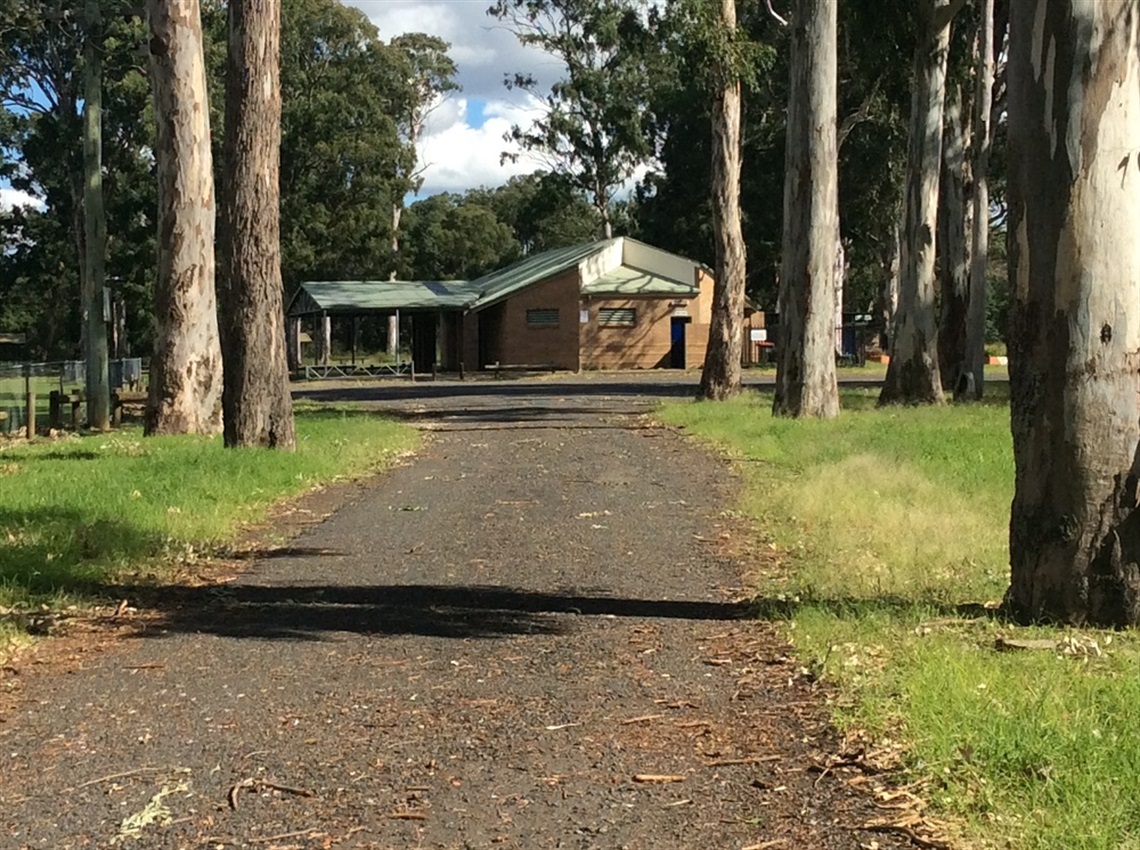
646	345
517	343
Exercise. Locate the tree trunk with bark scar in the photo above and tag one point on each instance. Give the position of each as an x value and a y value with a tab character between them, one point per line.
971	382
720	378
1074	263
812	260
256	400
186	369
954	225
912	375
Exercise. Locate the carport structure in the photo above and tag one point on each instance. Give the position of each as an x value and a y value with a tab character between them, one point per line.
432	305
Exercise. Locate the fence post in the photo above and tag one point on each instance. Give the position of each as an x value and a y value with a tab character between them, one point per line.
30	418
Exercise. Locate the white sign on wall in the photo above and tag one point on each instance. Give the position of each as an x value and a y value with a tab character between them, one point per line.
758	335
583	317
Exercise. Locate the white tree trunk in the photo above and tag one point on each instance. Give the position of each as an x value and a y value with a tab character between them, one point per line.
1074	189
971	383
954	228
186	369
890	294
393	321
322	332
808	300
840	279
721	375
912	375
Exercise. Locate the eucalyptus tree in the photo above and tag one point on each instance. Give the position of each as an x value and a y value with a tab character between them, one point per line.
1074	265
98	387
970	380
913	375
594	123
721	375
185	385
805	373
257	405
427	74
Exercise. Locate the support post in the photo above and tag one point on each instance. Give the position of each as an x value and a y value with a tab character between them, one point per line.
30	417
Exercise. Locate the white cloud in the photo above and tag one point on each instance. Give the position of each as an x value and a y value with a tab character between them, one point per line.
459	156
11	198
482	47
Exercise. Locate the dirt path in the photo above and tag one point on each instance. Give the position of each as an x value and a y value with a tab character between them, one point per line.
522	639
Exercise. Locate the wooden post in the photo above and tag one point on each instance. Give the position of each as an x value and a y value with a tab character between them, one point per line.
55	415
30	418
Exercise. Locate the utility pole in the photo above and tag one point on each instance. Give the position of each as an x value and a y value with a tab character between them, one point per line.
98	390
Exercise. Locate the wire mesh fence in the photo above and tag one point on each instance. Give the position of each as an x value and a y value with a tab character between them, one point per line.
65	377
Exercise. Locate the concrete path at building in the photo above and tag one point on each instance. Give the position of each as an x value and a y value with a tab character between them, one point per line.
528	636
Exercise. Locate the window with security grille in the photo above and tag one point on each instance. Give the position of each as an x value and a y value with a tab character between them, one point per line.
617	317
542	318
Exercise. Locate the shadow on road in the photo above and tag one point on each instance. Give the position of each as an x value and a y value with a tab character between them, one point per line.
450	611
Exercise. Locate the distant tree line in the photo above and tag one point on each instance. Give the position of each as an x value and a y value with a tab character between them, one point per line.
349	123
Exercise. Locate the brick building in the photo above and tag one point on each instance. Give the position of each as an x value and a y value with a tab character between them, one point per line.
613	304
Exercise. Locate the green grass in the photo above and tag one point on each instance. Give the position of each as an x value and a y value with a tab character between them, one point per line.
80	512
889	530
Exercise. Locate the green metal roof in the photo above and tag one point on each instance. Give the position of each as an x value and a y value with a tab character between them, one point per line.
353	297
357	296
632	282
502	283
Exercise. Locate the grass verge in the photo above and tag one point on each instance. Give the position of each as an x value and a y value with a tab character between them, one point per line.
79	512
891	526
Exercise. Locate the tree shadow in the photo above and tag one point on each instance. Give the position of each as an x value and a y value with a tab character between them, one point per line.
51	550
449	611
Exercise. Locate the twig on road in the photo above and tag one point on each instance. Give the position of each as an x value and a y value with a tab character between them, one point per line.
256	785
125	773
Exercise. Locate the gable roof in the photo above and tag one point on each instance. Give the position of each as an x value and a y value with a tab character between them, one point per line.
620	266
501	284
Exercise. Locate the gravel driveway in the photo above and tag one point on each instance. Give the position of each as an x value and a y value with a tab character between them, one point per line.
523	638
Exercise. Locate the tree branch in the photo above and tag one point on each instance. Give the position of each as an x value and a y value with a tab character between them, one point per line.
944	15
863	113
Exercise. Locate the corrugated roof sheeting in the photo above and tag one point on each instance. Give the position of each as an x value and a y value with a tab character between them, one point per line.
357	296
619	266
498	285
